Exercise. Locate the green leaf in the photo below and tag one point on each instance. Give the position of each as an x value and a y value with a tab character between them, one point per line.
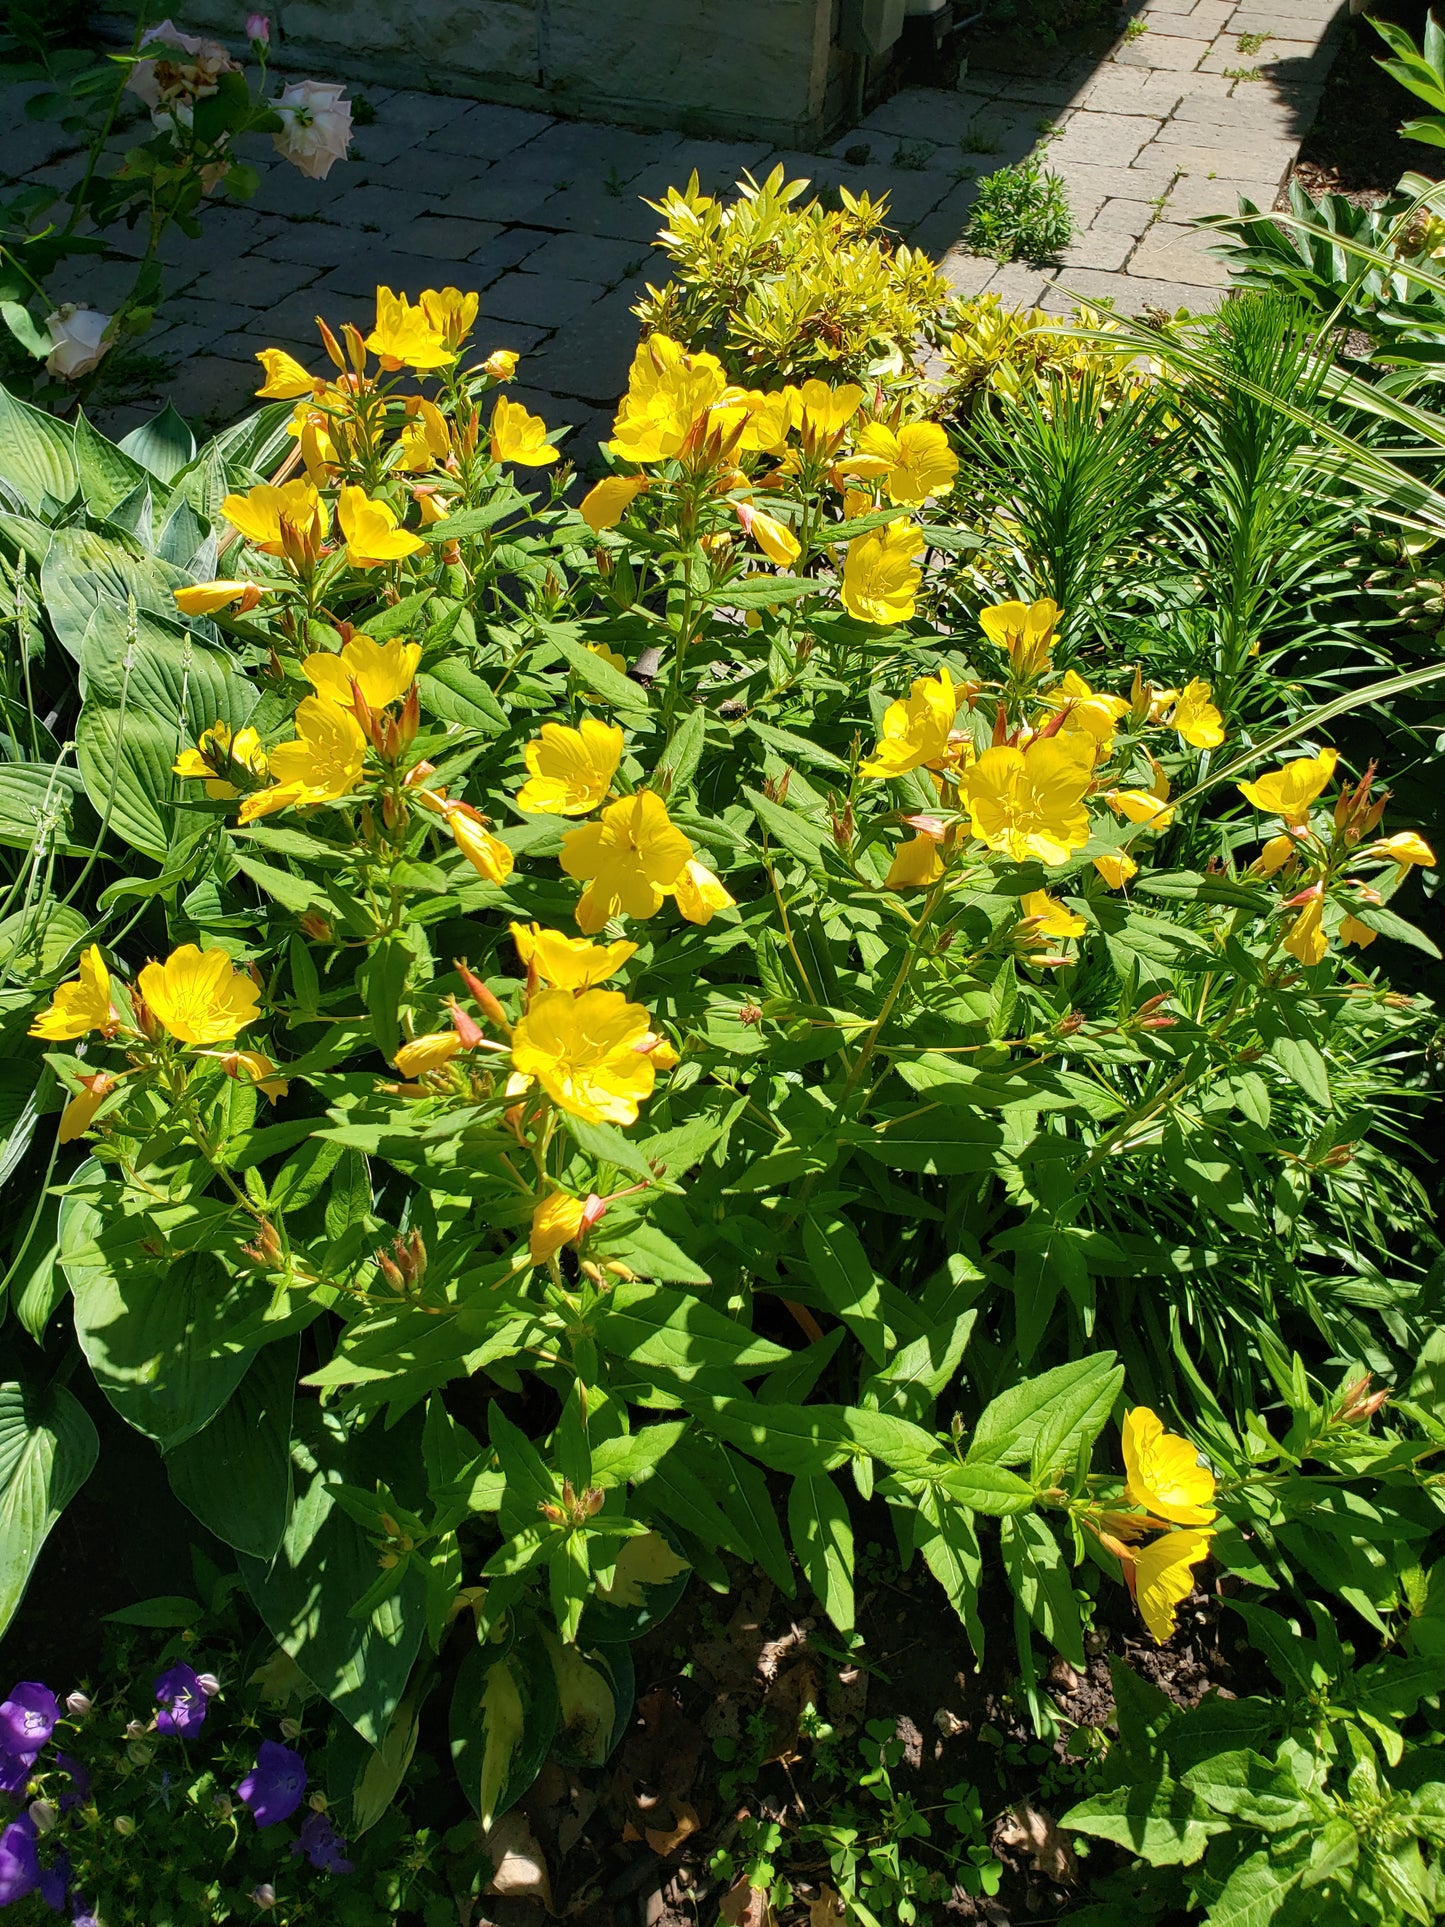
503	1716
1159	1820
107	474
27	331
37	457
822	1536
454	692
597	674
48	1449
1302	1062
844	1276
326	1563
1047	1416
1378	916
164	444
1251	1790
945	1536
235	1474
39	804
1041	1583
169	1610
668	1331
1257	1890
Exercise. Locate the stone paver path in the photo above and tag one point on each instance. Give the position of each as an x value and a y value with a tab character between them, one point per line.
546	221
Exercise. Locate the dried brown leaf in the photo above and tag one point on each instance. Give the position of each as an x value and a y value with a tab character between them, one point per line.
521	1869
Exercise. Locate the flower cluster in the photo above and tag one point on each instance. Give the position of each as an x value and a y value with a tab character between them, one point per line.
1173	1490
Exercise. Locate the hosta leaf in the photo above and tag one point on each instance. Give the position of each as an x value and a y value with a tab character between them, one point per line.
48	1447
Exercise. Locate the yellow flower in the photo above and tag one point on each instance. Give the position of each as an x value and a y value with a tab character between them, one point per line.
584	1051
425	440
614	658
604	506
259	1069
1141	806
1030	802
501	364
285	377
1163	1473
1087	712
406	335
916	732
768	417
916	863
824	412
205	598
698	893
557	1221
917	460
80	1007
214	754
259	513
1289	792
629	860
1025	630
1196	719
198	996
450	312
1353	931
520	438
1405	847
667	389
324	761
1162	1578
372	535
382	671
1050	918
569	963
879	577
774	538
427	1053
1276	853
487	854
1116	867
79	1113
1305	938
570	770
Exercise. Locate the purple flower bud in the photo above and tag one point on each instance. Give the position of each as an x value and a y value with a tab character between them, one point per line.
275	1784
322	1845
264	1896
180	1693
27	1718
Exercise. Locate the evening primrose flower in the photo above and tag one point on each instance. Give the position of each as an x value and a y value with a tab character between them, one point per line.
585	1052
79	1007
629	859
698	894
570	771
1195	718
450	312
427	1053
215	752
382	671
520	438
824	412
1290	791
667	389
1277	851
1163	1472
774	538
198	996
406	336
1353	931
1030	802
880	580
1305	939
913	463
568	963
488	855
1116	867
258	1069
917	862
1141	806
768	417
1049	918
1087	711
1025	630
323	762
1406	847
501	364
79	1113
915	732
286	379
558	1220
425	438
604	505
206	598
373	537
1161	1577
258	515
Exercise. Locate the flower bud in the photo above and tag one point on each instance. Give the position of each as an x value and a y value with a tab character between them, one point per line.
263	1896
290	1729
258	29
135	1729
123	1825
78	1705
483	998
315	926
43	1813
466	1027
208	1684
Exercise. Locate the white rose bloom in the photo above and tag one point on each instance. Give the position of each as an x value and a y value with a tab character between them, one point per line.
79	335
316	127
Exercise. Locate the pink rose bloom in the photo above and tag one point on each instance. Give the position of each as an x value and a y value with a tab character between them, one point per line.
79	336
316	127
258	28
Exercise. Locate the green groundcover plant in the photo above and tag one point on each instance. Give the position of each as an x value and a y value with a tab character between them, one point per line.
557	1044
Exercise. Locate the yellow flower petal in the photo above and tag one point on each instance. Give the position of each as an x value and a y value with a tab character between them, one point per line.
1026	630
78	1007
1196	719
916	863
1164	1473
1290	791
383	671
570	771
1050	918
198	996
285	377
698	893
1116	867
1164	1577
880	579
604	505
1030	802
629	860
373	536
427	1053
582	1051
520	438
557	1221
569	963
1305	938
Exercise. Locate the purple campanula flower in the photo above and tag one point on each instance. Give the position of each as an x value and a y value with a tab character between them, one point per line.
84	1914
19	1862
55	1883
15	1770
183	1702
27	1718
322	1845
275	1784
79	1782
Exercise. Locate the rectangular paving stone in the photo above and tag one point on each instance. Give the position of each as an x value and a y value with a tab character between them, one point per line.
943	228
1105	140
588	257
491	331
495	196
1228	149
1164	51
511	246
443	238
1269	19
284	191
1252	114
1140	181
255	281
1195	194
322	242
1018	286
545	300
1172	253
212	390
926	113
386	210
355	281
487	132
1136	90
1097	247
967	274
591	355
588	208
1120	216
427	170
1134	294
